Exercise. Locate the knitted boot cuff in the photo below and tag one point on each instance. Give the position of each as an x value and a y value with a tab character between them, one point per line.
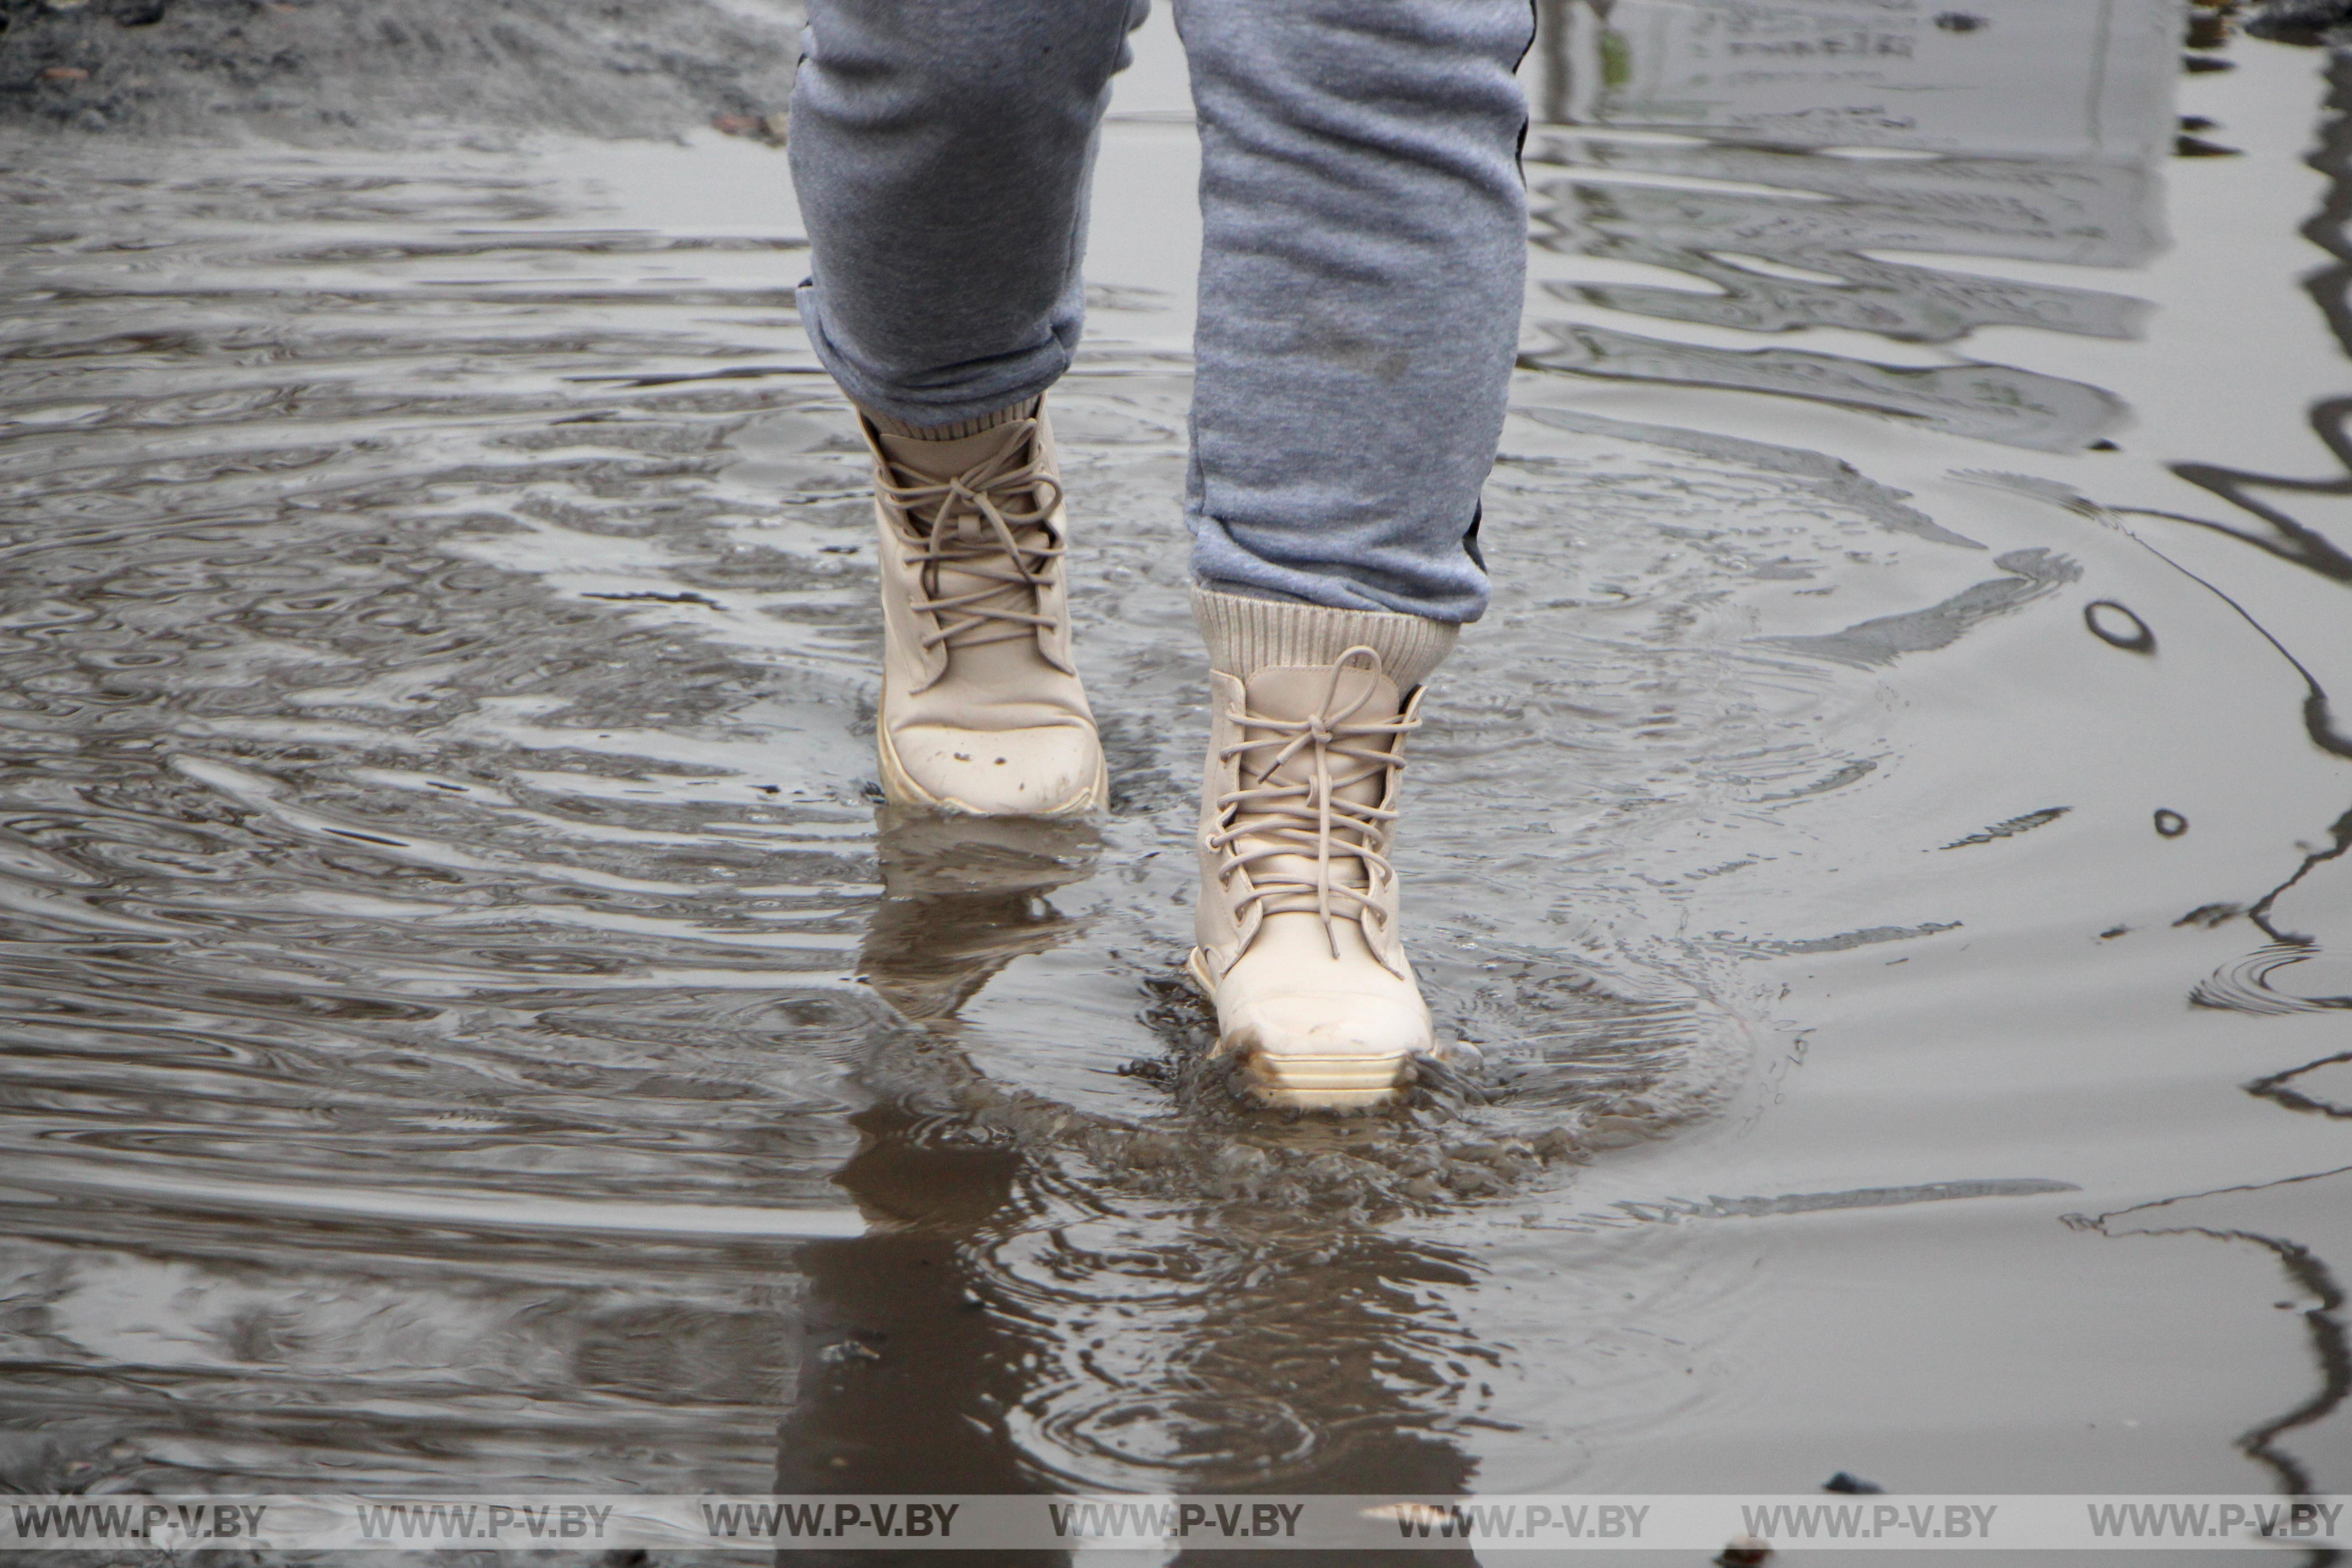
1246	635
1025	409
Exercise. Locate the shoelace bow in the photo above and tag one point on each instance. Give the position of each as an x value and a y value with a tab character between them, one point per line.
1279	818
973	523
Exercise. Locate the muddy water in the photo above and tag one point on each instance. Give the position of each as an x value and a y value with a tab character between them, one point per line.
470	1023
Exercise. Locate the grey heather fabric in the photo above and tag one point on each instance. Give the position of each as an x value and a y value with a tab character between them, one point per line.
1361	278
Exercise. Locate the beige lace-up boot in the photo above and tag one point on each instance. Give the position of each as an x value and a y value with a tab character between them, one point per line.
1297	922
981	709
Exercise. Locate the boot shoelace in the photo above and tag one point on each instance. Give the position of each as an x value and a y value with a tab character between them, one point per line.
1307	816
974	522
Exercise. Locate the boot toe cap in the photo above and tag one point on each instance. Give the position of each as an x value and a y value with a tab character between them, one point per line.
1049	771
1326	1051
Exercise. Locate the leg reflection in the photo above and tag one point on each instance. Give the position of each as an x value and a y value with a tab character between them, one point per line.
905	1368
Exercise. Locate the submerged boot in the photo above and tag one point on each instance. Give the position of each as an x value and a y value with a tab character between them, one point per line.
1297	922
982	710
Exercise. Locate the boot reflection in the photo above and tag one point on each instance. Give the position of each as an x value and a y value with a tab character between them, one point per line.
905	1369
962	898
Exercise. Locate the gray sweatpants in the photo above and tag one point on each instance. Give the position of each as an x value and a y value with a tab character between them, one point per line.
1361	271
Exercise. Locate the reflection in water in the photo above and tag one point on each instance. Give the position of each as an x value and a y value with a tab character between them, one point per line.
2303	546
2032	574
2253	1215
962	898
2298	969
1217	1348
2298	1089
2268	498
2034	135
906	1371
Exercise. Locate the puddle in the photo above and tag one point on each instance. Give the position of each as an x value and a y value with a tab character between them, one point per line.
471	1025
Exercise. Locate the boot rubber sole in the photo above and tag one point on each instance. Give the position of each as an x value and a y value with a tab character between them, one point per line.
899	788
1311	1083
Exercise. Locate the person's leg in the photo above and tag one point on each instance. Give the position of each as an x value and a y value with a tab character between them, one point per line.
1360	281
940	150
1359	299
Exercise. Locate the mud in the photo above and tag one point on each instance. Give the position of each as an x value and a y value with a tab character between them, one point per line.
390	72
